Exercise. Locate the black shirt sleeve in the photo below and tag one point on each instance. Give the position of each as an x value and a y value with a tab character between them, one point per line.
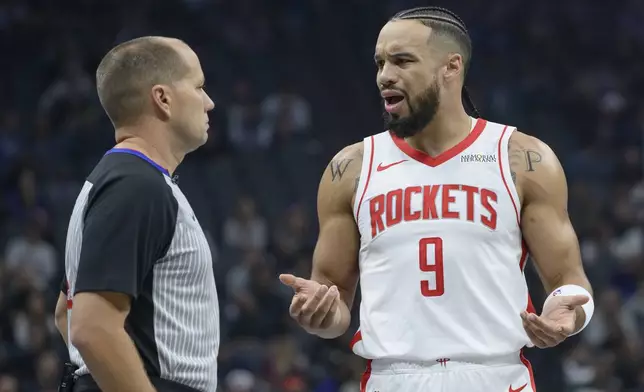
63	285
129	224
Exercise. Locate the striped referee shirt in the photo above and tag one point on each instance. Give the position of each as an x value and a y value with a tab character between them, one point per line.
133	231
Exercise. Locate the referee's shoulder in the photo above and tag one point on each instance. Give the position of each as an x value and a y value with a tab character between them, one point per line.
132	176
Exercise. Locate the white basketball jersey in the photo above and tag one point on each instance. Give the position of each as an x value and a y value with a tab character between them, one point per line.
441	255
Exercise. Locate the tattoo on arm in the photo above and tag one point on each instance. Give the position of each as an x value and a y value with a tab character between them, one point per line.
531	158
338	167
522	158
355	189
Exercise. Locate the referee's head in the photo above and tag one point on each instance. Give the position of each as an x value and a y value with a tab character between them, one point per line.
155	84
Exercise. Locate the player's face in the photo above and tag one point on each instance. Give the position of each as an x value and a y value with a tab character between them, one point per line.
193	104
407	77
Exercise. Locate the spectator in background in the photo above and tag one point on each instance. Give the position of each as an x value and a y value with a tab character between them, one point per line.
244	119
579	367
258	306
293	236
240	380
47	372
8	383
285	115
70	91
32	325
30	253
246	229
11	138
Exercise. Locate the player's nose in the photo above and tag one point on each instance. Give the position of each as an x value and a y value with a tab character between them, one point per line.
387	77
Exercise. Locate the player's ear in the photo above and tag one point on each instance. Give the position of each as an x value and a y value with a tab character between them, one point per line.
454	67
161	99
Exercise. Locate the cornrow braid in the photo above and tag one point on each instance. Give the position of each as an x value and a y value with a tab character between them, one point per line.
435	13
427	15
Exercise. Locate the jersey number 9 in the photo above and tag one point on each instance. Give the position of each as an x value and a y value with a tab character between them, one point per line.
436	267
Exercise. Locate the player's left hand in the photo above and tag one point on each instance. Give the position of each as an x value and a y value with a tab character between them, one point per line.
557	320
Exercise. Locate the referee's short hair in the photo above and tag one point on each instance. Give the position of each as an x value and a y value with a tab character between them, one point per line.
128	71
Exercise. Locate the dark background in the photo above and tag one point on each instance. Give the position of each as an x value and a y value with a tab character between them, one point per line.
294	81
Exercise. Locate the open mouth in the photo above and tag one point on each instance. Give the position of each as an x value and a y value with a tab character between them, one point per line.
393	101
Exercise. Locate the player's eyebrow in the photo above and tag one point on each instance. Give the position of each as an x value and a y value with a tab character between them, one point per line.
396	55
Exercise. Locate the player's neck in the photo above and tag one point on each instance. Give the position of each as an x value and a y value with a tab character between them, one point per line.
444	131
153	143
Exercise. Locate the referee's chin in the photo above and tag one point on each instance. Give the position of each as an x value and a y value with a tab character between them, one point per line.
204	139
197	142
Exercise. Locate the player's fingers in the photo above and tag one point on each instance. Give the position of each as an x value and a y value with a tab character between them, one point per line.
328	320
324	307
546	339
291	280
536	341
533	325
312	303
533	337
566	330
575	300
296	305
540	334
548	328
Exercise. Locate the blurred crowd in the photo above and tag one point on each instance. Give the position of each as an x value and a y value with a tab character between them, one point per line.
294	81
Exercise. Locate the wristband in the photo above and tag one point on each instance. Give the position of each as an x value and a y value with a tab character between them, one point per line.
573	289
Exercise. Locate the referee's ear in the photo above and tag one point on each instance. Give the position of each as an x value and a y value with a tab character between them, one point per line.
162	100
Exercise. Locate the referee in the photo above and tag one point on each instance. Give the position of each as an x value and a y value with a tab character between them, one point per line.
138	308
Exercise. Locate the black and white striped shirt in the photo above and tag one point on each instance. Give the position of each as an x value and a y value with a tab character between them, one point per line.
132	231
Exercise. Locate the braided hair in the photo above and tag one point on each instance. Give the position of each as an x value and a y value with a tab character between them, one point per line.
444	22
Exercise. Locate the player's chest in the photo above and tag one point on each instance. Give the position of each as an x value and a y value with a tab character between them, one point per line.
468	203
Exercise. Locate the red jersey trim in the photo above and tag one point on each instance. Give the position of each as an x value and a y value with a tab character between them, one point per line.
366	185
522	262
356	338
365	377
505	182
528	365
524	254
445	156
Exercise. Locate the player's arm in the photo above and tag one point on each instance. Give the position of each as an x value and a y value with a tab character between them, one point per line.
335	259
545	223
60	314
127	227
322	305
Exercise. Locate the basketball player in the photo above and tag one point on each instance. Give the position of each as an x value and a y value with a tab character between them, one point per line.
436	217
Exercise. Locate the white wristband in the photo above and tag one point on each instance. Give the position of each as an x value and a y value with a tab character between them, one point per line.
573	289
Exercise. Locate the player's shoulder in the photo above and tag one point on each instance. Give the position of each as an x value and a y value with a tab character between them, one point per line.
524	140
534	165
346	163
352	151
530	149
342	174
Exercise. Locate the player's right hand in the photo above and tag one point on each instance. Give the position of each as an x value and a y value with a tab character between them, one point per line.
314	305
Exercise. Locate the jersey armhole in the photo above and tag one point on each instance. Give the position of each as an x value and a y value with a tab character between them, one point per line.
506	172
365	176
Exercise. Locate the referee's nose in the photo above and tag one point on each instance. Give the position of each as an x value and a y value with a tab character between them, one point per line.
208	103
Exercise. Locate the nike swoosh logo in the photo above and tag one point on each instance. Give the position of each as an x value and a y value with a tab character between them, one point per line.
382	167
518	389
